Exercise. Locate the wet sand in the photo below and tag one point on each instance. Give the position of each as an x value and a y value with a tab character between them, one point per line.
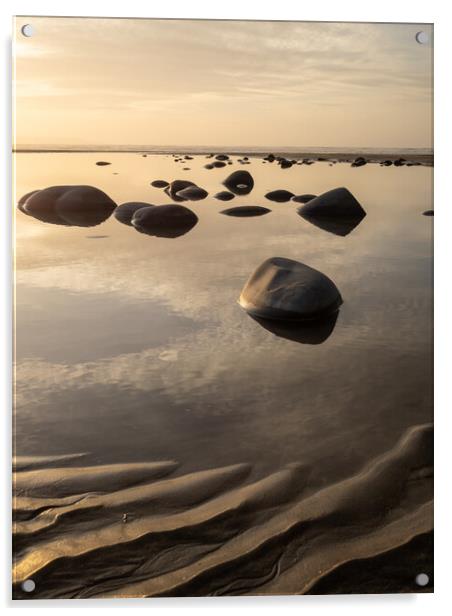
167	444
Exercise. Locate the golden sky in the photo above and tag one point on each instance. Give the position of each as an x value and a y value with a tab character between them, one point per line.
85	81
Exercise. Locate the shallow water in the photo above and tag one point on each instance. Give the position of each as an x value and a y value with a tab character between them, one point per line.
133	348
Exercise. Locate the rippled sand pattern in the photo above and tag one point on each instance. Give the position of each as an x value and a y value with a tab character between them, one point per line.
212	532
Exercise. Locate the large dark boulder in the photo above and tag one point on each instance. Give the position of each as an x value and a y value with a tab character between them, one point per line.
24	199
239	182
80	206
280	196
192	193
336	211
284	289
170	220
246	211
125	212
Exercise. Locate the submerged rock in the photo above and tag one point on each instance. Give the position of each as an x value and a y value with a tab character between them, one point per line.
80	206
239	182
219	164
209	166
170	220
246	210
192	193
159	183
285	164
336	211
280	196
125	212
287	290
102	163
222	157
359	162
303	198
224	195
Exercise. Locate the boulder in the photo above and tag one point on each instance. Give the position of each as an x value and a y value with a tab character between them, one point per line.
23	200
303	198
80	206
218	164
336	211
222	157
283	289
125	212
359	162
246	210
175	187
159	183
224	195
169	221
192	193
239	182
280	196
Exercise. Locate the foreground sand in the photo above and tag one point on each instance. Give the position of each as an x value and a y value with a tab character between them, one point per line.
220	531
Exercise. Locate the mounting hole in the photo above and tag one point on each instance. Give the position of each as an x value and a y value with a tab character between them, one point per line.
422	37
422	579
28	586
27	30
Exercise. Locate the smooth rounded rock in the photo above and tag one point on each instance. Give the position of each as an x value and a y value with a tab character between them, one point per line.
246	211
283	289
125	212
176	186
23	200
219	164
222	157
192	193
336	203
169	220
102	163
280	196
303	198
239	182
81	206
224	195
159	183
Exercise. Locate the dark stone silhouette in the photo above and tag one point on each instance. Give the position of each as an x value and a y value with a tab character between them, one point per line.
280	196
192	193
175	187
23	199
159	183
219	164
239	182
303	198
288	290
246	210
336	211
222	157
428	213
224	195
359	162
80	206
102	163
125	212
168	221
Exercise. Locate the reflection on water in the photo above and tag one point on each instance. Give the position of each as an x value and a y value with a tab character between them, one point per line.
312	332
135	348
339	227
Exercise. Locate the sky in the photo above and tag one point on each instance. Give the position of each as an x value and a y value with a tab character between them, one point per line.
85	81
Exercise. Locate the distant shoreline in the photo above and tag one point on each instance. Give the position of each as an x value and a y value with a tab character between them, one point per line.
410	155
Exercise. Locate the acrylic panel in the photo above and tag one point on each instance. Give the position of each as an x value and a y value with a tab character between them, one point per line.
223	308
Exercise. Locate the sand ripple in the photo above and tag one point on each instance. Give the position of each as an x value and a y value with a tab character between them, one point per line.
129	531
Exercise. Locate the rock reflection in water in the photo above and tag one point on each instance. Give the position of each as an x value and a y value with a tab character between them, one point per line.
305	332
